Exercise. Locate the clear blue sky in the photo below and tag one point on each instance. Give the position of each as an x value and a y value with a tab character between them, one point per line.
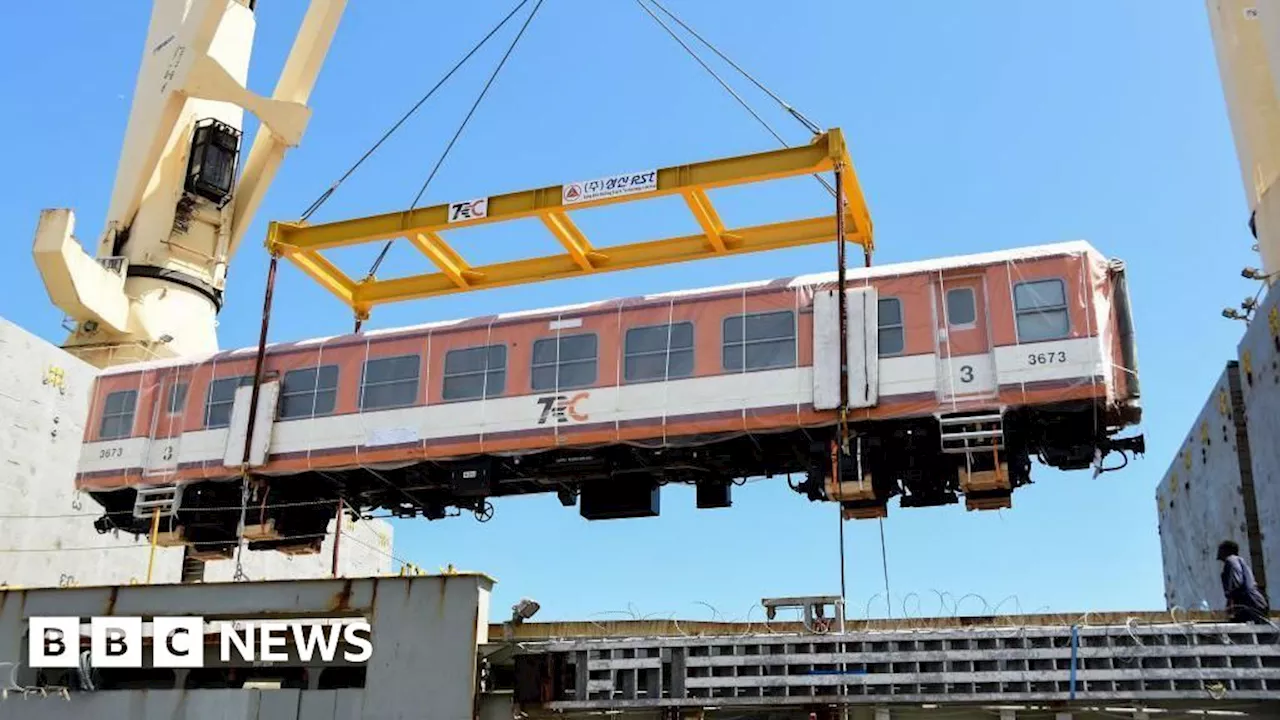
974	126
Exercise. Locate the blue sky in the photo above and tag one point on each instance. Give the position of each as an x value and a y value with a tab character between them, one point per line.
974	126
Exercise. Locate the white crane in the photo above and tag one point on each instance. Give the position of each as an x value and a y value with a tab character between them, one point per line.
1246	36
154	285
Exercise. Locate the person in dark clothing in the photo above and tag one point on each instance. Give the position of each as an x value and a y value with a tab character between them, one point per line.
1245	601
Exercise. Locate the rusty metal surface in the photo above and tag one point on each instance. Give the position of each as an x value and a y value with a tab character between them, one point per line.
189	705
676	628
1128	663
424	633
258	599
292	598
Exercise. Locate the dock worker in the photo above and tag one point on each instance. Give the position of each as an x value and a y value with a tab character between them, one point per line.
1245	601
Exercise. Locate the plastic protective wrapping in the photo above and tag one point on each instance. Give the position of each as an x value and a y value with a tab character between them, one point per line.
1028	326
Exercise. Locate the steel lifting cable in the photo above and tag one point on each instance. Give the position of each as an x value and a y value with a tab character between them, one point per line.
741	101
842	429
384	553
259	367
483	91
840	520
884	563
382	255
403	118
806	122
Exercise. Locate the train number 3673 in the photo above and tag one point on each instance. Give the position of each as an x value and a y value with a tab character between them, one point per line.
1048	358
111	452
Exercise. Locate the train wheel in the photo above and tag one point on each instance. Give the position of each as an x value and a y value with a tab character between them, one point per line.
484	511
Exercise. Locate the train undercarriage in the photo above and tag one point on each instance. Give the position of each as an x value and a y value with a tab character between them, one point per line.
981	457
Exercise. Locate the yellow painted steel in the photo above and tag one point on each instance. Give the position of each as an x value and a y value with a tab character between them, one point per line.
707	217
574	241
324	272
444	257
155	536
301	243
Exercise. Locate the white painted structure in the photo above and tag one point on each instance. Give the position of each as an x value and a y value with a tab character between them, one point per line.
155	282
47	536
1246	35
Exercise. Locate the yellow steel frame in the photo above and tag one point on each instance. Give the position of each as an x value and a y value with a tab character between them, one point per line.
302	244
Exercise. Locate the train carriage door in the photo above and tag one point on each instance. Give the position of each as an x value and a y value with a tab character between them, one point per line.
966	363
862	336
268	397
169	404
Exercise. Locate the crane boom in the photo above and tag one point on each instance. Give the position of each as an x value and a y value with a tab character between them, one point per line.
155	283
1246	37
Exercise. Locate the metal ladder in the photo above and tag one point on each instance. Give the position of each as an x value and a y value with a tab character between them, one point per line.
968	434
163	498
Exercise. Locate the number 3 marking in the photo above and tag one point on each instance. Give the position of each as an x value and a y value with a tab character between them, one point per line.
966	373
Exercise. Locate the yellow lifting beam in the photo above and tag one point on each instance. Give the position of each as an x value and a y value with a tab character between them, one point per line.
302	243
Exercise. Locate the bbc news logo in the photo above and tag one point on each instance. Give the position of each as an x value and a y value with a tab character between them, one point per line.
179	642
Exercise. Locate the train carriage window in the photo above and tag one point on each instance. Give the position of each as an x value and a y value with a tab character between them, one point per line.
658	352
570	364
177	398
760	341
308	392
1041	310
892	334
961	308
390	382
117	415
221	398
477	372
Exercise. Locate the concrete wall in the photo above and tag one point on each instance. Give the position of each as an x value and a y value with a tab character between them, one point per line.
46	528
1201	498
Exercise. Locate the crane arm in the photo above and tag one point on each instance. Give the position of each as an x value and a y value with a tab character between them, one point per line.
294	86
176	212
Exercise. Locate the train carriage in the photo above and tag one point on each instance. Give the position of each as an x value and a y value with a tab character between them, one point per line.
959	371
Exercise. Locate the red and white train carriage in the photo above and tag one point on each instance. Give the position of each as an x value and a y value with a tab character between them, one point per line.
959	371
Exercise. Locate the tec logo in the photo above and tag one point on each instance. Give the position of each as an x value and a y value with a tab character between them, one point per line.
562	407
469	210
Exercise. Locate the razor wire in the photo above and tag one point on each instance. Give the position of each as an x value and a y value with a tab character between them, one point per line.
949	608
